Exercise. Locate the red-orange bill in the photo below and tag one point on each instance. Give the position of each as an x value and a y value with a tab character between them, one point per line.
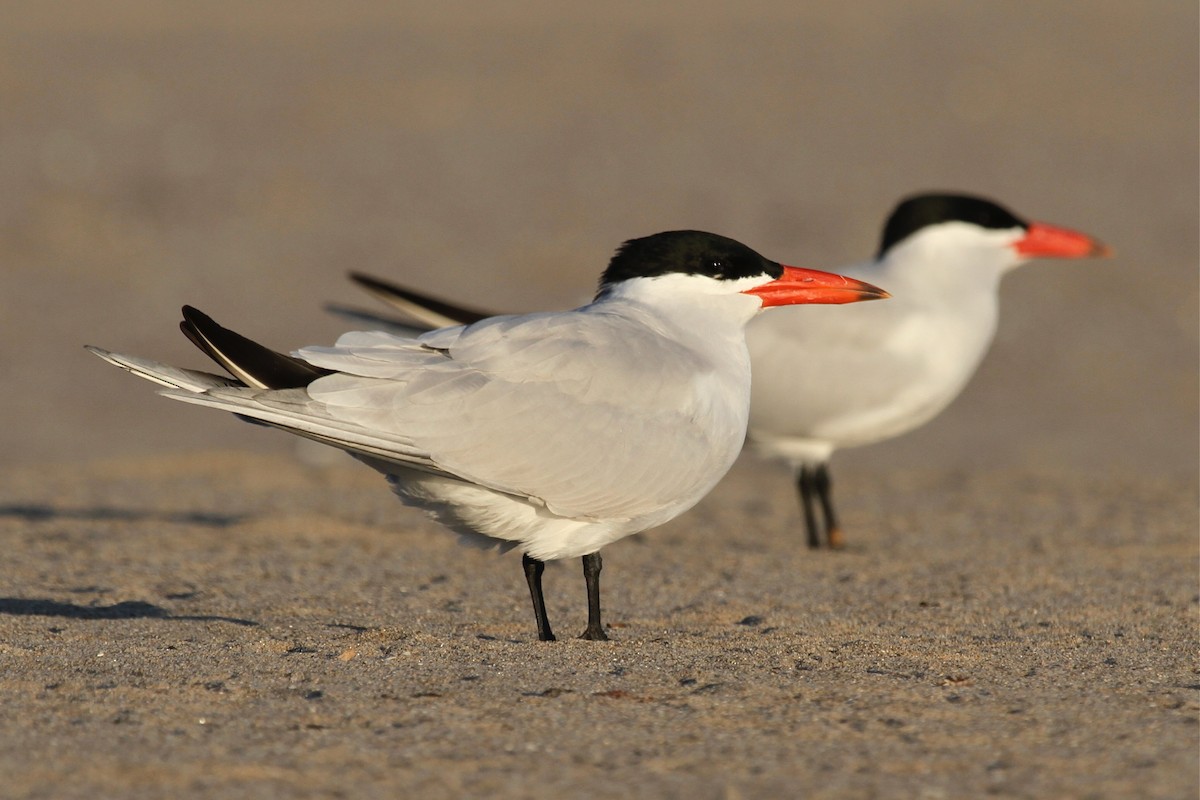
799	285
1050	241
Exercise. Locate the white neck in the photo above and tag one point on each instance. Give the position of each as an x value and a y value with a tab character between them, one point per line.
950	262
692	304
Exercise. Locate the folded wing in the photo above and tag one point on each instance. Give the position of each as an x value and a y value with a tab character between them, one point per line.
476	403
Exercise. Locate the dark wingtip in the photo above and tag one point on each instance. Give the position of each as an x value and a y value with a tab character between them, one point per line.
368	282
244	358
390	292
196	318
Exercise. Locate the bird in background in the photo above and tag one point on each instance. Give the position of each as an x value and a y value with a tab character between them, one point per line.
555	433
825	381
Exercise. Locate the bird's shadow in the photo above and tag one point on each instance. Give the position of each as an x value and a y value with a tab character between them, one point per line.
39	512
126	609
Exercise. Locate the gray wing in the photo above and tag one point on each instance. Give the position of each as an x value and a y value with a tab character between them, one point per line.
587	413
591	415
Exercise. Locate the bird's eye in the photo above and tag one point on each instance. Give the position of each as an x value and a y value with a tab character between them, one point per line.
712	266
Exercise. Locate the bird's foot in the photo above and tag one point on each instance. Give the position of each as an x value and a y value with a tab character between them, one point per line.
594	633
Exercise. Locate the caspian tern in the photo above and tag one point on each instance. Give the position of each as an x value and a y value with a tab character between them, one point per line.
873	372
556	433
877	376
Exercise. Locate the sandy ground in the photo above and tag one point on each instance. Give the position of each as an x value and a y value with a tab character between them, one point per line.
192	607
230	625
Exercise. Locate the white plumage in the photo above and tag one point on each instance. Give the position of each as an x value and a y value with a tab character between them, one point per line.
826	379
557	433
878	375
876	372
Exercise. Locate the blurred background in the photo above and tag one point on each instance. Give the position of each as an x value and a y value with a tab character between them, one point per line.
242	157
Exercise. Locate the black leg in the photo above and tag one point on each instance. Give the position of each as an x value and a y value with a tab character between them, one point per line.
591	573
533	576
824	486
804	484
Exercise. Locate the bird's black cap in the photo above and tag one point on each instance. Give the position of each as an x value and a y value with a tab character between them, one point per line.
922	210
686	253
